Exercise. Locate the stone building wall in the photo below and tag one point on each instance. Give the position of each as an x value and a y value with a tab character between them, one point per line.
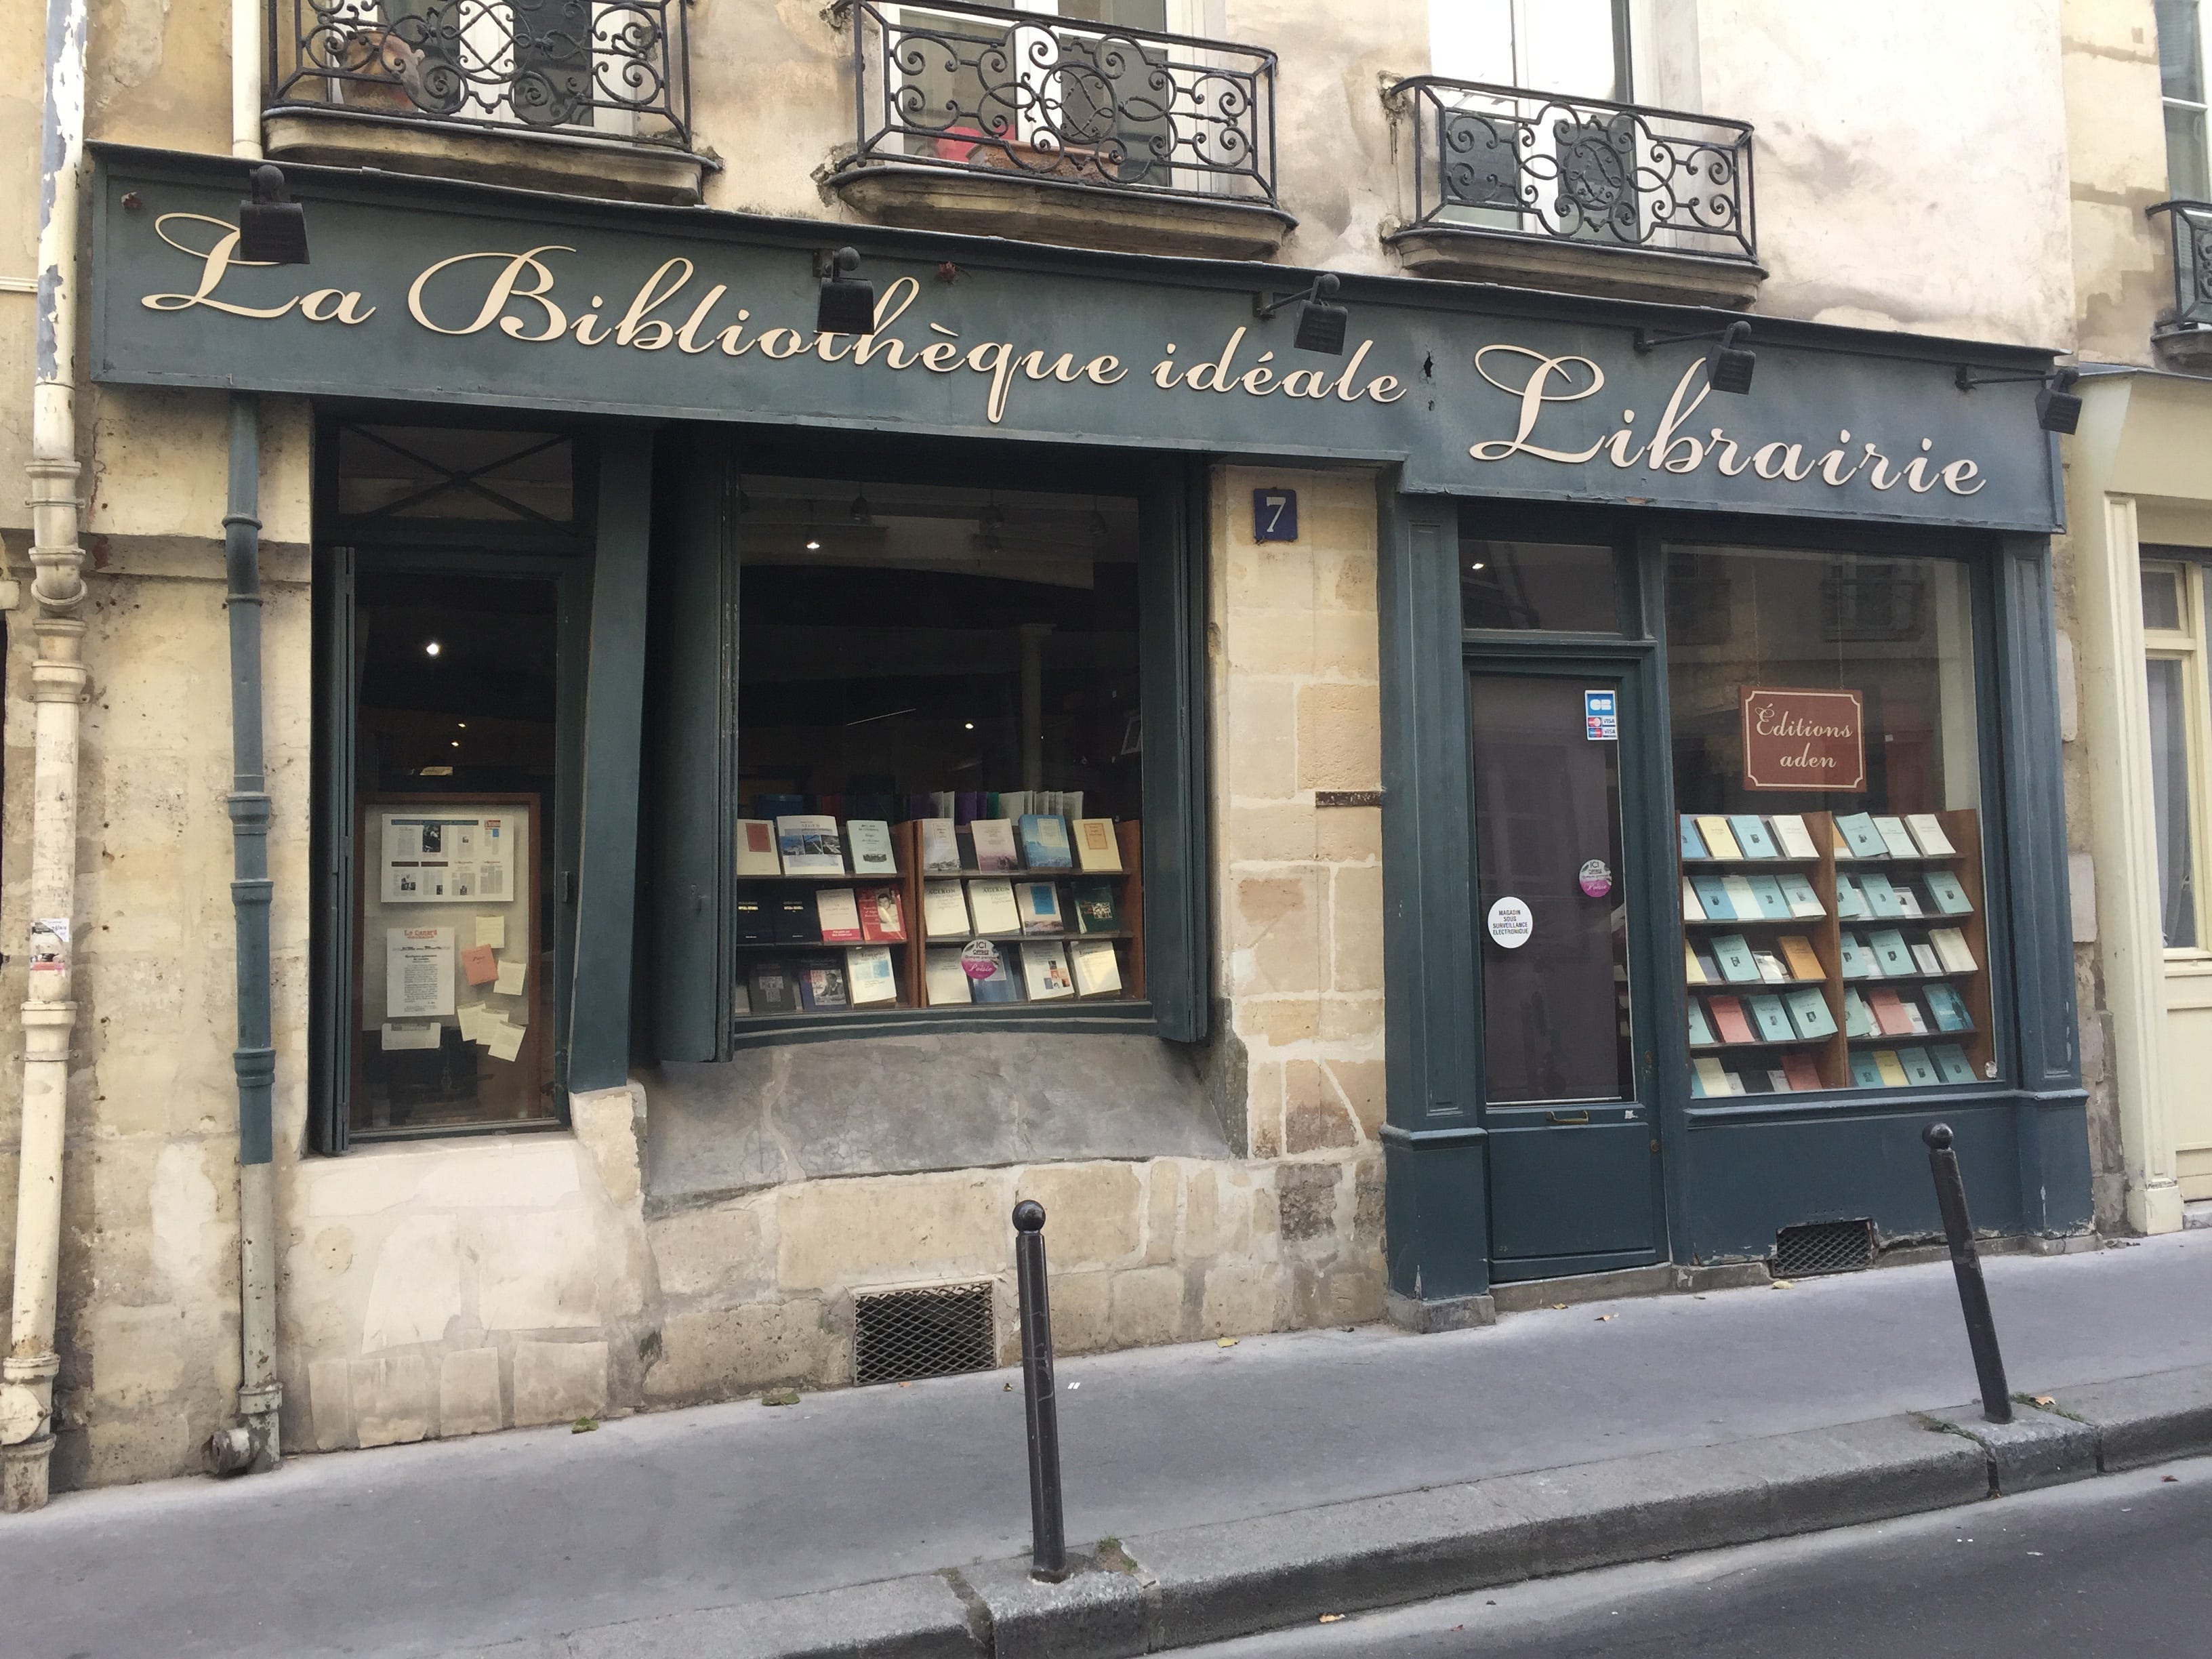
441	1288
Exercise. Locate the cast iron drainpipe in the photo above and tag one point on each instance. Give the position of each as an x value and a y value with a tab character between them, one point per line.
253	1443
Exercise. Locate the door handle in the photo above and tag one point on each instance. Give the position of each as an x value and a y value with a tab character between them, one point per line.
1582	1116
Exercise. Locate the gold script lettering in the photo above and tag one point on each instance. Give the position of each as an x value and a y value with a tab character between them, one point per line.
213	263
1534	396
504	287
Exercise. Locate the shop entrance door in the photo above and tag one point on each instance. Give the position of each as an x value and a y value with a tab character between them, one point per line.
1566	1085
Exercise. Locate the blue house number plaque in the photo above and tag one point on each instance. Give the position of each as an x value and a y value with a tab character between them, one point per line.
1274	515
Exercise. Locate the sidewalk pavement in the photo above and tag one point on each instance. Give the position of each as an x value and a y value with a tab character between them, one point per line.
1615	1418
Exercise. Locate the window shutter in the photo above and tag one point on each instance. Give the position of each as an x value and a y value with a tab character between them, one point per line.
690	733
1173	587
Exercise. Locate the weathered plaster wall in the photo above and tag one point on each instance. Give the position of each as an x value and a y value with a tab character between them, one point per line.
2115	145
1911	159
148	1330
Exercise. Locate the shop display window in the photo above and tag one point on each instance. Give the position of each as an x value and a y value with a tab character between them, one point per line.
1825	747
940	740
454	759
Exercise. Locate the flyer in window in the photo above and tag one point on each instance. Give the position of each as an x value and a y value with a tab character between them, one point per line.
418	972
434	857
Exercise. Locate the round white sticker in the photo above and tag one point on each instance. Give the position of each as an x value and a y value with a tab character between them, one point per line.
1510	922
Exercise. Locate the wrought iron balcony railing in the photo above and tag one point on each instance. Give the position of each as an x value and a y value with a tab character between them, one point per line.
1576	169
2190	224
615	68
984	89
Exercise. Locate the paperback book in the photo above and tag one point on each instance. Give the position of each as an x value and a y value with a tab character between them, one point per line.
839	915
810	845
1095	906
869	840
1044	973
943	978
994	844
868	976
771	988
883	915
991	907
757	853
1096	847
1044	843
1038	904
1098	971
939	852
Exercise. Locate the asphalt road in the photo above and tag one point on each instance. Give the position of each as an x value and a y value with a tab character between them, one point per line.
2114	1565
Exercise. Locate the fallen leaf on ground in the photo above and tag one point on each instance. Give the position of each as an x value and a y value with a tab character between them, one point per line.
1602	1318
1331	1618
1785	1284
2041	1400
584	1425
1559	1305
781	1397
906	1385
2168	1479
1226	1342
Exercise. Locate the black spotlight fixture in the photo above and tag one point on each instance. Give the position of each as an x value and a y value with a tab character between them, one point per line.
272	228
2057	405
1320	324
847	305
1729	366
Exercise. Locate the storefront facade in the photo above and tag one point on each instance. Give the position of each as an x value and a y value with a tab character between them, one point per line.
1396	676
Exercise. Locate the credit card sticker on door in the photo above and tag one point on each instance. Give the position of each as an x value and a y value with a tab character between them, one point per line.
1602	716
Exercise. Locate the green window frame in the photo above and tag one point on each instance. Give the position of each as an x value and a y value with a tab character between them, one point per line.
687	881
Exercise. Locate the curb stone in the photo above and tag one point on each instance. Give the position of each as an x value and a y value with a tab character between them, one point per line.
2145	1419
1233	1578
2037	1448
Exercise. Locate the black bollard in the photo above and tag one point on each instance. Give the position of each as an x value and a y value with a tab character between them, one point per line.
1966	1265
1047	1533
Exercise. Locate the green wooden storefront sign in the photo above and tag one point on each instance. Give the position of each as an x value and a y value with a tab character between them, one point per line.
420	290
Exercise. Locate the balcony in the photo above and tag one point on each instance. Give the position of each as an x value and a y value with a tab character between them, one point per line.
1510	185
976	118
2184	336
562	94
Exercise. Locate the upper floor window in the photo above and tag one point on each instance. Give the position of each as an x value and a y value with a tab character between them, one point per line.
1577	48
2183	78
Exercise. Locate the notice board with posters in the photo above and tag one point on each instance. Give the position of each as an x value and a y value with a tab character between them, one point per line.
451	998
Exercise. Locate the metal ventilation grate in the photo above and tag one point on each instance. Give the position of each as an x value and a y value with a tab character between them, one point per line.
1823	1247
937	1331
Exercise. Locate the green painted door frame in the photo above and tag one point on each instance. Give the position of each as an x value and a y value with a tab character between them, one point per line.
1729	1174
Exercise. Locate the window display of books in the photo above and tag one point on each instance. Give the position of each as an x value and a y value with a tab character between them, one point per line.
1839	952
862	915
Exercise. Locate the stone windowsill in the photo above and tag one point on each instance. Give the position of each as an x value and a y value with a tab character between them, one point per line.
1469	254
2183	347
1129	220
572	164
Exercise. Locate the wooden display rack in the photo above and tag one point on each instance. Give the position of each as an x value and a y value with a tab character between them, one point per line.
1832	1054
908	959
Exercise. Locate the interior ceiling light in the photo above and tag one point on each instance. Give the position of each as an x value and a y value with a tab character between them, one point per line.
861	512
1729	365
1322	324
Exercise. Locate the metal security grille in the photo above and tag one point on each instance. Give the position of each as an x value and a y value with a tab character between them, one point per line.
938	1331
1823	1247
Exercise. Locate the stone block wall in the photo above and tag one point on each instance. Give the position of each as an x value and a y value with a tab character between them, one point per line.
147	1327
